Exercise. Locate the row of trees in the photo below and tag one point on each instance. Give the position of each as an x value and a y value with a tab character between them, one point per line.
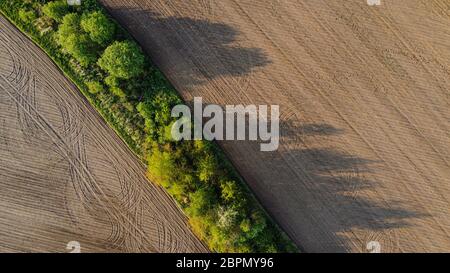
122	82
221	210
89	37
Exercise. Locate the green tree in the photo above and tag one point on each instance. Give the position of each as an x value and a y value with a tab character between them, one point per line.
27	16
94	87
258	225
161	166
112	81
74	41
201	201
99	27
230	190
56	10
69	25
80	47
118	92
156	110
207	168
123	60
226	217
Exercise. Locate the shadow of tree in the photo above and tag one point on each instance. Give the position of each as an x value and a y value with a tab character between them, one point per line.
323	188
224	55
335	181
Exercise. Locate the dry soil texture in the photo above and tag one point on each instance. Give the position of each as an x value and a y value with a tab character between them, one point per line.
364	100
65	175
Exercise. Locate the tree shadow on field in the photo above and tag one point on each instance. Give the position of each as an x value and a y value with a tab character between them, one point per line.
316	193
201	49
330	182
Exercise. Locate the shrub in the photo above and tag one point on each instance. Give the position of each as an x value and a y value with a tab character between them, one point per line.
72	39
80	47
99	27
94	87
27	16
70	25
123	60
156	109
229	191
201	201
160	167
112	81
56	10
207	168
43	25
118	92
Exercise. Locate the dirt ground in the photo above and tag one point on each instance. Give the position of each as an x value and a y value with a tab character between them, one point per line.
65	175
364	100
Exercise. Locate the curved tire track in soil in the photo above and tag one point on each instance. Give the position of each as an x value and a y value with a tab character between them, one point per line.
65	175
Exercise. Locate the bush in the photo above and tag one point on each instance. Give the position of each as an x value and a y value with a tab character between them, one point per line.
201	202
123	60
27	16
99	27
74	41
118	92
94	87
80	47
207	168
56	10
156	109
229	191
43	25
112	81
70	25
160	167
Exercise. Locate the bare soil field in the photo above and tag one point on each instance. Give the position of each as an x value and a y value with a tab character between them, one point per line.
65	175
364	100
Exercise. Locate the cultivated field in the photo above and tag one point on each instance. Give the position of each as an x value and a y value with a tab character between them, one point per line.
65	175
364	98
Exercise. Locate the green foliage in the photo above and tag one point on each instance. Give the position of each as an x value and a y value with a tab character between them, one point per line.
74	41
56	10
246	225
201	201
156	110
70	25
80	47
112	81
118	92
99	27
94	87
230	191
90	5
44	25
123	60
27	16
160	167
207	168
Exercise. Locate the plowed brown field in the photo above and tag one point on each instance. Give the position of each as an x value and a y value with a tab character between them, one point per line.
65	175
364	99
